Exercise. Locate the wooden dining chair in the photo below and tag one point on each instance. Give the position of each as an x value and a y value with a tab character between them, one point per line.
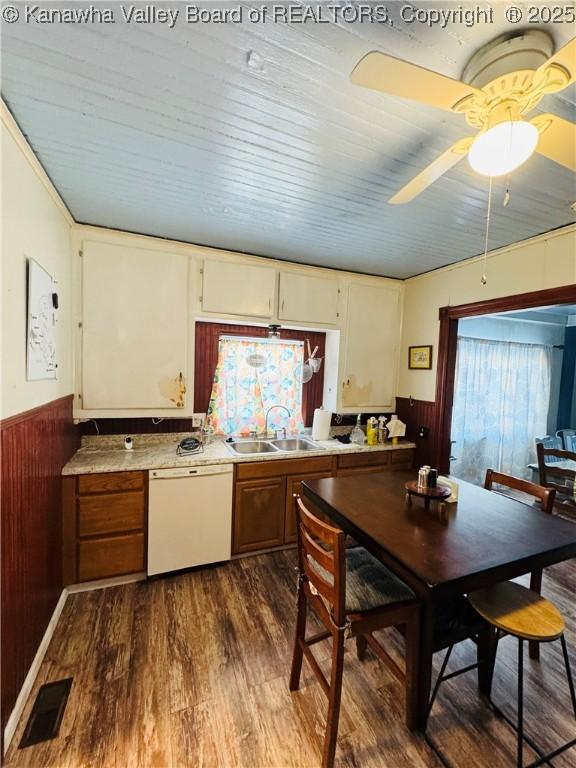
561	479
352	594
545	498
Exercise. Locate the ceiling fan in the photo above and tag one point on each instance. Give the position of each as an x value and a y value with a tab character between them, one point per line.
501	83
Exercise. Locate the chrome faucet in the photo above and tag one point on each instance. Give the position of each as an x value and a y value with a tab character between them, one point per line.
267	413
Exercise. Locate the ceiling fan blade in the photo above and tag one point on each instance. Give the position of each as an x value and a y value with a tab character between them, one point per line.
557	139
436	169
409	81
565	58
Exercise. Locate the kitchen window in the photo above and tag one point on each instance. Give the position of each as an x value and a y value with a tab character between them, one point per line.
253	374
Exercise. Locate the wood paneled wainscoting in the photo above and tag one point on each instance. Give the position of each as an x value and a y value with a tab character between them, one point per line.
35	446
415	414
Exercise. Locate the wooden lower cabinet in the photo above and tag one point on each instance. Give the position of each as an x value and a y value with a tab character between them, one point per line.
263	500
104	521
264	514
259	514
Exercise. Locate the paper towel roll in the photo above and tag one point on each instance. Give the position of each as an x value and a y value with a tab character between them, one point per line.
321	424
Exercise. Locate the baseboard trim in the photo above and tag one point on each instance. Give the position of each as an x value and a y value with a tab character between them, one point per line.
28	684
114	581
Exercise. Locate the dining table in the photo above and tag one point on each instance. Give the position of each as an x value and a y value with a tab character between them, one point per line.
443	553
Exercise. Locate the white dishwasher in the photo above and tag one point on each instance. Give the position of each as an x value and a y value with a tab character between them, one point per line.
189	517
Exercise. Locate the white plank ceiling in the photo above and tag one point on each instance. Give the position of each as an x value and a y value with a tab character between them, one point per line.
251	137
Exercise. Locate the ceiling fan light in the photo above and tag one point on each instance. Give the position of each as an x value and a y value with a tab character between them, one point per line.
503	148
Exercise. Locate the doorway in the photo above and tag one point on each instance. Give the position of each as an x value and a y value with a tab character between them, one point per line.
447	347
513	386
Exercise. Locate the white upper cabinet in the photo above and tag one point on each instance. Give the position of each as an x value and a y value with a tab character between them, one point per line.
230	288
308	299
371	348
134	329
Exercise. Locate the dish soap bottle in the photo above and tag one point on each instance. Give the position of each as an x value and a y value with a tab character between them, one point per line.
372	431
357	434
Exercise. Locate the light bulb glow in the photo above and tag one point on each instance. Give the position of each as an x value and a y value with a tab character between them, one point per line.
503	148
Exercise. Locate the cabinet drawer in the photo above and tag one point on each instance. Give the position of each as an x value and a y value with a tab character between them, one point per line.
114	556
404	457
378	458
110	513
258	469
111	481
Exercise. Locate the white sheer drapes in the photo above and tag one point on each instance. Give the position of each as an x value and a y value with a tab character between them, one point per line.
501	400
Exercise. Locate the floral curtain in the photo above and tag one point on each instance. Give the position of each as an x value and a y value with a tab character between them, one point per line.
501	400
242	393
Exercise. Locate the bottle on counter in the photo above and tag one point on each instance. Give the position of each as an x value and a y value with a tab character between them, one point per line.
372	431
382	431
357	435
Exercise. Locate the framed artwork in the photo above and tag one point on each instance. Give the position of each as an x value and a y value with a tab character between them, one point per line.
420	357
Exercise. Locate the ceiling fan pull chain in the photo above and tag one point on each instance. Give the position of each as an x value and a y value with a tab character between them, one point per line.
507	192
484	279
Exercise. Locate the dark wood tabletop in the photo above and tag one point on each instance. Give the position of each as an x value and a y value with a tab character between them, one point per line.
483	538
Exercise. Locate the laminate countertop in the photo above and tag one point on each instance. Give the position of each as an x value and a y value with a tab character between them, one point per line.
107	453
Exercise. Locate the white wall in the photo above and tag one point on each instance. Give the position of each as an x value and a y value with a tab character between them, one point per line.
35	224
547	261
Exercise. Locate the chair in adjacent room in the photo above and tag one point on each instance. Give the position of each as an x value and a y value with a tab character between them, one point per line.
557	470
351	593
551	441
523	490
568	438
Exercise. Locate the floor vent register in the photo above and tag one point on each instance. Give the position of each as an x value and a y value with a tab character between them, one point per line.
47	712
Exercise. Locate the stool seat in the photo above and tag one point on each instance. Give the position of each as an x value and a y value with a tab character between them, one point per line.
518	611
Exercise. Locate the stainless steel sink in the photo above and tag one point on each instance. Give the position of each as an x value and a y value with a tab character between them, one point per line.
252	446
255	447
296	444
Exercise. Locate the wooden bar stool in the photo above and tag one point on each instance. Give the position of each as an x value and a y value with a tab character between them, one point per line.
512	609
524	614
353	594
545	498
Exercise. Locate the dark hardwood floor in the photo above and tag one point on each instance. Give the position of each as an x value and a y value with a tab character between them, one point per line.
192	670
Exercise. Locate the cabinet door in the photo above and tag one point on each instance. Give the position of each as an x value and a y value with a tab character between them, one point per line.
308	299
238	289
293	486
259	514
134	328
372	330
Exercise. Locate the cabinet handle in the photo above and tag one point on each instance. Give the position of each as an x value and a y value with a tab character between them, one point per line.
269	304
282	307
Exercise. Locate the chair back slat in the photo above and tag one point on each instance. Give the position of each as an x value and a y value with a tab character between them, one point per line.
322	545
323	557
318	583
544	495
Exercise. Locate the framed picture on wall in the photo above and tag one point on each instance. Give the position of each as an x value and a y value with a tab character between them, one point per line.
420	357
